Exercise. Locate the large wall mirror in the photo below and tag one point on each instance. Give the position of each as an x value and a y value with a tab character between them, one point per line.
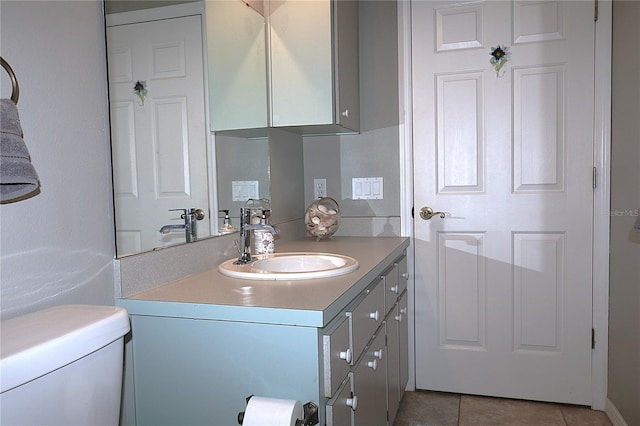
162	149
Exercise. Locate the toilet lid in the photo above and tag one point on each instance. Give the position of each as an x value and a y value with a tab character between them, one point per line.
35	344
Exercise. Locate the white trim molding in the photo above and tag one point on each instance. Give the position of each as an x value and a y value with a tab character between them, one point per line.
405	136
601	204
614	415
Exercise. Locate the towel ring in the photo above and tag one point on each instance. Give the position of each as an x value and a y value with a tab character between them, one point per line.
15	89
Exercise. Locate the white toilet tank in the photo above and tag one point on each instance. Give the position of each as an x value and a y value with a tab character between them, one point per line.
62	366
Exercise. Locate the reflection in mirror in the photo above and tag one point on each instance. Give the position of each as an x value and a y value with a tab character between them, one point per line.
237	65
158	126
243	172
162	150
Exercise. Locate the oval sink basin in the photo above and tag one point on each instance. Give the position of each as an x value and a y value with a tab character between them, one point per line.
290	266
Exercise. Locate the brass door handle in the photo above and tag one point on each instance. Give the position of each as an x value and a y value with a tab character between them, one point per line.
427	213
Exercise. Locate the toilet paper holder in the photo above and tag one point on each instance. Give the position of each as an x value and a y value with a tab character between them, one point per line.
310	414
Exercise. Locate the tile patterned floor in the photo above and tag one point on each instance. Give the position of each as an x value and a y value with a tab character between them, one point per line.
423	408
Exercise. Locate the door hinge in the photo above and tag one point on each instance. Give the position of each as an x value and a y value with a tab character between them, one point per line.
593	338
595	11
595	178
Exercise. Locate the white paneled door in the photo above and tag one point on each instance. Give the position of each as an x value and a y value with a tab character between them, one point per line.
159	142
503	281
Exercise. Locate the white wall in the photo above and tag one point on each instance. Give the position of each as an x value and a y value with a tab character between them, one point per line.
374	152
57	247
624	290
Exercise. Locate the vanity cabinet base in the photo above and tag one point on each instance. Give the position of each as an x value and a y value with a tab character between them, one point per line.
200	372
183	370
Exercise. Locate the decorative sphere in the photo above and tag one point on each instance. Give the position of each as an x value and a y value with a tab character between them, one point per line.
322	218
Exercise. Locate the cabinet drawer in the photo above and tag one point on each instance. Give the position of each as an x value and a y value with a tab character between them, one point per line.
391	289
339	409
365	318
370	385
403	274
337	356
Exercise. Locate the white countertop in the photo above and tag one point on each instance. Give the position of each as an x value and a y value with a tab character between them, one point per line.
313	303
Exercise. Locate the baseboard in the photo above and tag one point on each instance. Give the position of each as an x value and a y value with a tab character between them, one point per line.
614	415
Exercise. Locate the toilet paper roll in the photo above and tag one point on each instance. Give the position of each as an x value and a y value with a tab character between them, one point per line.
262	411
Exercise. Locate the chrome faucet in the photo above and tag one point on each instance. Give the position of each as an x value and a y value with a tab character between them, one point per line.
245	234
189	226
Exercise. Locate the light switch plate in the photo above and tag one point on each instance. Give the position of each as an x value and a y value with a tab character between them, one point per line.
242	190
369	188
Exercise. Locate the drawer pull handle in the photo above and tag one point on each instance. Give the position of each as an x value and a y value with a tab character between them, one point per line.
394	289
378	353
352	402
374	316
346	355
373	364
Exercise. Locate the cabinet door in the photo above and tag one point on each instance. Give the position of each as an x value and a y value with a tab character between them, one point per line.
391	288
403	274
403	327
301	63
337	355
392	324
340	408
237	66
370	383
347	102
314	73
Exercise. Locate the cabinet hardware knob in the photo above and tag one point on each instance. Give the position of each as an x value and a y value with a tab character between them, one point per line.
345	113
346	355
352	402
373	364
374	315
394	289
378	353
403	311
398	318
405	275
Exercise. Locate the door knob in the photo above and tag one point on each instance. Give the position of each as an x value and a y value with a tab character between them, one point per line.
427	213
198	214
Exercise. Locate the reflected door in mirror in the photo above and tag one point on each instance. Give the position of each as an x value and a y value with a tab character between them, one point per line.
158	140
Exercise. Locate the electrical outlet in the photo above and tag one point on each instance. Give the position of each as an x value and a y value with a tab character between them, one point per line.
319	188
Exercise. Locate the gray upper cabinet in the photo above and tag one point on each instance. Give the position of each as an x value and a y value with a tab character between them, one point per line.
314	65
311	75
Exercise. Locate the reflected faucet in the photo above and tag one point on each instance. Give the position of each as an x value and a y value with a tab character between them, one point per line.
245	234
189	226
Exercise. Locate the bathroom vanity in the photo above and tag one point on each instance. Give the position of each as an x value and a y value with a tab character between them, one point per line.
201	345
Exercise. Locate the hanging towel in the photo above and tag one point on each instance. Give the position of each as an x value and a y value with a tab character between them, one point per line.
18	177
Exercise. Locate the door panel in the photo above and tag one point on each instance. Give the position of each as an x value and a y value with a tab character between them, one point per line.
503	282
159	143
